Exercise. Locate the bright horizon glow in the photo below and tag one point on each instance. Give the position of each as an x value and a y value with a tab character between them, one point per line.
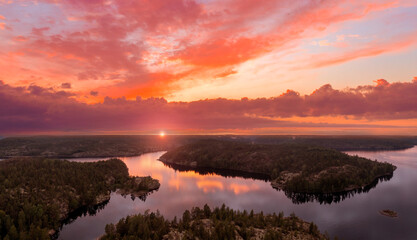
162	134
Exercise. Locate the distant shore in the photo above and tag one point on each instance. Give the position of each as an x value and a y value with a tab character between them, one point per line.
134	145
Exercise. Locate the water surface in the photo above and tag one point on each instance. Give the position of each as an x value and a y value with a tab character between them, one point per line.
354	217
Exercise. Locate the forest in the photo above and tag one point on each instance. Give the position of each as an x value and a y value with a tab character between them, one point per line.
38	194
133	145
291	167
342	143
80	146
213	224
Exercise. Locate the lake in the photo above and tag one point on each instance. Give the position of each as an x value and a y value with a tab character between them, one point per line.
351	216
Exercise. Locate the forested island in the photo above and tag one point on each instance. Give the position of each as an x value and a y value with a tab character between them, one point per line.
38	194
207	224
291	167
388	213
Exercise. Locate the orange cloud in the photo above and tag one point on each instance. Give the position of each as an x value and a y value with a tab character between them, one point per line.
225	73
222	52
177	45
239	188
210	186
381	82
175	183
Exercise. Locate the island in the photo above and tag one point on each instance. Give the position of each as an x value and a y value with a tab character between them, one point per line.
37	195
292	167
389	213
214	224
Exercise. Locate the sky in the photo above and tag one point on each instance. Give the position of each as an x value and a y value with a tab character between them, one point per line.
208	67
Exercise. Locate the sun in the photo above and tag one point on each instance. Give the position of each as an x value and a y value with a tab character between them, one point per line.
162	134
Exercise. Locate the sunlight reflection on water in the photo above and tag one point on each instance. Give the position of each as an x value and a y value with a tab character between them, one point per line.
353	218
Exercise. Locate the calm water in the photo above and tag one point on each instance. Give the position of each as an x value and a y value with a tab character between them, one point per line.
355	217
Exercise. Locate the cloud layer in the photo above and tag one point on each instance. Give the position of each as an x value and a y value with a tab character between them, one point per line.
78	65
37	109
157	48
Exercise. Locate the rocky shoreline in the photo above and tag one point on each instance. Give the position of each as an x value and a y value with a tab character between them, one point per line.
388	213
142	186
280	183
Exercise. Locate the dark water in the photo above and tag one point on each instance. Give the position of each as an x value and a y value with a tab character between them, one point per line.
351	216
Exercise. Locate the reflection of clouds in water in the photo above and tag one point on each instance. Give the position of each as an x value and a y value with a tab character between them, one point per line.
241	188
209	185
183	189
180	180
175	182
353	218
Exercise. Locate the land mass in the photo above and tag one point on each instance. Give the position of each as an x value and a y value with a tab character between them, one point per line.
342	143
389	213
80	146
124	146
291	167
38	194
208	224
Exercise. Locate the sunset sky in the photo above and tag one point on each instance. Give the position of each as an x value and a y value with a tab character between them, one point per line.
208	67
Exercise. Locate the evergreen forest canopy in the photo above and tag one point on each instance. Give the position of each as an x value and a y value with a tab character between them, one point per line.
291	167
38	194
119	146
217	224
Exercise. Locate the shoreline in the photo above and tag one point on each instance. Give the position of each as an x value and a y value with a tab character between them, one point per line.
165	150
70	216
64	157
346	190
273	182
101	202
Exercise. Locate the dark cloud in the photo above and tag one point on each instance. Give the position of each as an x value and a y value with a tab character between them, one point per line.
34	108
66	85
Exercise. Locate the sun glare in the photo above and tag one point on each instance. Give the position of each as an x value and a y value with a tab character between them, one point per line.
161	134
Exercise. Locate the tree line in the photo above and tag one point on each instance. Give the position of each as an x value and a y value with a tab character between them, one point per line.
37	194
207	224
312	169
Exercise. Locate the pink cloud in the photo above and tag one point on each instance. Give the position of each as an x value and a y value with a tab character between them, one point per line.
33	108
370	49
108	42
66	85
381	82
20	39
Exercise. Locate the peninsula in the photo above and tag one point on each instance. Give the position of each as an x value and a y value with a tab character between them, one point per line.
38	194
291	167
